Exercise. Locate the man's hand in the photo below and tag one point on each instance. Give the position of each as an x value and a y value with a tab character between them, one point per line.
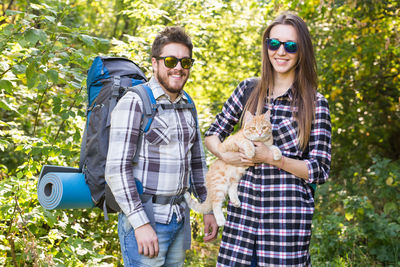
147	241
210	227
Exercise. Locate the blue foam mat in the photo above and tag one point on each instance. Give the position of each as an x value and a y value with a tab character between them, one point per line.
64	190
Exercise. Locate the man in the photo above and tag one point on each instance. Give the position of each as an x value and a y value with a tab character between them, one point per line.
154	231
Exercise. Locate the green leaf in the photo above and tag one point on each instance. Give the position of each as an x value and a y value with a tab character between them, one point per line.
75	84
31	75
6	85
53	75
87	40
64	115
32	36
13	12
36	6
51	219
42	35
19	69
50	18
349	216
390	207
4	144
4	105
7	30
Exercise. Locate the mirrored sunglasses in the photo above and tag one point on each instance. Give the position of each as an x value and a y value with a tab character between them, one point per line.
274	44
171	61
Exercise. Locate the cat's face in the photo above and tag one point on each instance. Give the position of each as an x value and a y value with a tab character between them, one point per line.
258	128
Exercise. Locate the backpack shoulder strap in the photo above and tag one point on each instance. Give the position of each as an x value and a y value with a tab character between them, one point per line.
193	108
189	105
149	111
149	104
150	108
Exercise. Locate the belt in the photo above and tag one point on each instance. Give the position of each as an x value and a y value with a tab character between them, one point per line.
162	200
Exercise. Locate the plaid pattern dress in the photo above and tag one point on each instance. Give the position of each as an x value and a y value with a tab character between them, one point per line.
274	219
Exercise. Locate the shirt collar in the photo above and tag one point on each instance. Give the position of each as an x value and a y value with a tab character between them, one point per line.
288	94
159	93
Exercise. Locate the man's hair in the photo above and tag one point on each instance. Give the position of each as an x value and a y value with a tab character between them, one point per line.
169	35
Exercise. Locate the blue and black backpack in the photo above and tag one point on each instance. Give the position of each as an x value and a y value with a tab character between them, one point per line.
109	78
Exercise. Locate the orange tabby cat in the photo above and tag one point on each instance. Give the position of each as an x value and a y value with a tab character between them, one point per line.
223	178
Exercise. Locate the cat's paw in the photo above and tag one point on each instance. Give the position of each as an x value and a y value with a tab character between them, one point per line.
220	220
235	202
250	152
277	154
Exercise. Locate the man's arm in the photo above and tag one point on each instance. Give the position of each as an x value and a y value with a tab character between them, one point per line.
210	227
124	135
147	240
199	169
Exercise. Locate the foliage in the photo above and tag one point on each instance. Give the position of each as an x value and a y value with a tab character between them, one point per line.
47	46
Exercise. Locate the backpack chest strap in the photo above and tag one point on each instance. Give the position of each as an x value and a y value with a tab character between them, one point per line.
162	200
177	106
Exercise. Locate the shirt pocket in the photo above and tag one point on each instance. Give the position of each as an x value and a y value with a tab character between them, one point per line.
158	133
285	135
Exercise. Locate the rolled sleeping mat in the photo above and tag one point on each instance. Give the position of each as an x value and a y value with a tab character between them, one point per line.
63	190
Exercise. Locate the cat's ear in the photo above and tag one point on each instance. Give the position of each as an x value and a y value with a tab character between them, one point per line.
267	115
247	116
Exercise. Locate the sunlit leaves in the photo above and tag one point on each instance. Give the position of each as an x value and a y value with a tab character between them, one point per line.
6	85
35	35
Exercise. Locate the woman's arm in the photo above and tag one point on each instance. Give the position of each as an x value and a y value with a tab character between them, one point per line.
212	143
294	166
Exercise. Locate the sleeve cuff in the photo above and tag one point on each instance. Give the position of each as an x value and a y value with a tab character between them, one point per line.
310	168
138	219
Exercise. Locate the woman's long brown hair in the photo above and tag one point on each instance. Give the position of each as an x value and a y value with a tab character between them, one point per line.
305	82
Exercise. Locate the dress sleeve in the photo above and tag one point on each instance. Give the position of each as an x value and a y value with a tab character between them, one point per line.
319	156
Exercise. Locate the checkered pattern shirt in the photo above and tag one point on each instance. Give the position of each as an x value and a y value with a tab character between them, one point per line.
275	216
170	153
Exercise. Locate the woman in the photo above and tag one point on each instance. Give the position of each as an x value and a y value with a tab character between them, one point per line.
272	227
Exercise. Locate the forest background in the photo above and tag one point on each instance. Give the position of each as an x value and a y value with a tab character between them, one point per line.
47	46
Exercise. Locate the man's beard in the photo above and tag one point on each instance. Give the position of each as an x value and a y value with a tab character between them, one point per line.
163	80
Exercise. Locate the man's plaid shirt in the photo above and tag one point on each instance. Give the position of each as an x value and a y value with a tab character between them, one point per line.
171	153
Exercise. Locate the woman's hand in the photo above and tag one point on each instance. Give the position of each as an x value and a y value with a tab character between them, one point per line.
262	155
236	158
265	155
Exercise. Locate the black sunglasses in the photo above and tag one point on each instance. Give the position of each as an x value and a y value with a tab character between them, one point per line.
171	61
274	44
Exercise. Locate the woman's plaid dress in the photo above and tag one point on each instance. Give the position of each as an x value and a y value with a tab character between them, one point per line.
275	215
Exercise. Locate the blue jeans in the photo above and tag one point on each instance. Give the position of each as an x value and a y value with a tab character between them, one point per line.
170	241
